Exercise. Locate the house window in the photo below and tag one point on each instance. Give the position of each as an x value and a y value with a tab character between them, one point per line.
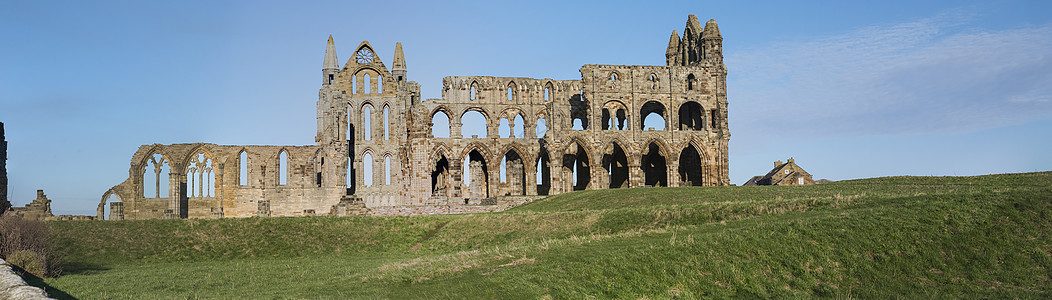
800	180
787	172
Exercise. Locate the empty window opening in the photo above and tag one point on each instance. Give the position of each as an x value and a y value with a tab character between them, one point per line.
690	171
387	170
513	174
317	175
440	125
387	123
283	168
578	124
242	162
690	116
606	122
518	128
544	175
653	81
616	165
613	76
200	178
473	124
653	116
654	167
715	119
367	84
575	163
542	127
379	84
503	128
474	90
511	92
113	208
578	112
476	176
690	82
440	179
367	169
367	119
354	84
155	177
548	93
331	77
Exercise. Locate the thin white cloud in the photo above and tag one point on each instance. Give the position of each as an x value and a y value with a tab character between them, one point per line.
936	75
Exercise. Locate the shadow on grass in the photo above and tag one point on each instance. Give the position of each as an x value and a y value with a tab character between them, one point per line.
33	280
81	268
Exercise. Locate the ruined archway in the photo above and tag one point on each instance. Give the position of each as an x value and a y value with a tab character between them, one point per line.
544	173
616	165
655	171
440	177
652	114
691	116
575	162
513	173
690	173
476	176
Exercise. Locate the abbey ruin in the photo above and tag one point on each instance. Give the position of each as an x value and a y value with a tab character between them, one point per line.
380	145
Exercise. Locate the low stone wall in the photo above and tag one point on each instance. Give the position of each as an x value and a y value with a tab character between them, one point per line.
502	204
13	287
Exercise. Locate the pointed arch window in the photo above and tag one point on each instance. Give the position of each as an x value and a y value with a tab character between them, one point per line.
242	161
283	168
474	90
511	91
200	178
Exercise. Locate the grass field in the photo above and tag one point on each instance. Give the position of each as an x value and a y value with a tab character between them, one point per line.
912	237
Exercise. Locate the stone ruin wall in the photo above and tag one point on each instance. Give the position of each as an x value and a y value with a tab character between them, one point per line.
412	167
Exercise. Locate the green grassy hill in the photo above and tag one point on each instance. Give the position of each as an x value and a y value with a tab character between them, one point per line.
983	236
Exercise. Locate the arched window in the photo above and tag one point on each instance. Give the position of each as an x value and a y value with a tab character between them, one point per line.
200	178
613	76
548	92
511	91
379	84
368	169
387	126
283	168
368	84
690	82
242	162
354	84
440	124
367	119
155	177
473	123
542	127
474	90
387	170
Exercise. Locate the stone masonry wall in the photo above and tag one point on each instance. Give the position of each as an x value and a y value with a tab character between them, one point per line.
376	142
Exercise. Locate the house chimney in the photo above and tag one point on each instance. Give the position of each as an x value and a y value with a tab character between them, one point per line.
777	163
790	159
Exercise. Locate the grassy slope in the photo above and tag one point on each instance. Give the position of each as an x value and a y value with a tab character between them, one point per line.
933	236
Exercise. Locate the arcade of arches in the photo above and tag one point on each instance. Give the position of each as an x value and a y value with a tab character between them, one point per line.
380	145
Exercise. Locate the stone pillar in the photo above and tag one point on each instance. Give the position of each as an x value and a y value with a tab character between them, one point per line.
116	211
455	129
673	173
635	174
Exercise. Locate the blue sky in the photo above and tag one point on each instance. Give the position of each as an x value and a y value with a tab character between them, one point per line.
849	89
